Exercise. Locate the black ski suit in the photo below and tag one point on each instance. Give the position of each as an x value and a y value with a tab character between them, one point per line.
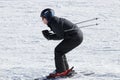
72	36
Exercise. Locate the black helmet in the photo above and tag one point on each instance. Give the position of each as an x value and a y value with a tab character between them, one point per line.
47	13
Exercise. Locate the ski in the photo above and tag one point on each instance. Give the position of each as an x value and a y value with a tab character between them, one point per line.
69	73
63	74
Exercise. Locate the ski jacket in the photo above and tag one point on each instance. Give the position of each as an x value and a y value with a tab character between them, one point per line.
63	29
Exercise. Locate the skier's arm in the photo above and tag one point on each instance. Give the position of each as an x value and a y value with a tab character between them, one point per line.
46	34
55	37
51	36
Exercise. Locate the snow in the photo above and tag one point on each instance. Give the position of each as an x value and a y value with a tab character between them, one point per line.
25	54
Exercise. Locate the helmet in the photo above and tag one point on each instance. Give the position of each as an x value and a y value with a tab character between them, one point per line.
47	13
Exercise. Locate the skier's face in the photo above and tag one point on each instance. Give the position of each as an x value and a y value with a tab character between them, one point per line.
44	20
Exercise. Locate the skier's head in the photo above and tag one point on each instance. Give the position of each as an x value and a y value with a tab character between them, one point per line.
47	14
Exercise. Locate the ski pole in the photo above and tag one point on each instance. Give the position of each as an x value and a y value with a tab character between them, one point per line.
89	25
83	27
87	20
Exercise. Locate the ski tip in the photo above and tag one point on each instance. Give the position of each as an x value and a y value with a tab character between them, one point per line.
97	18
72	67
97	24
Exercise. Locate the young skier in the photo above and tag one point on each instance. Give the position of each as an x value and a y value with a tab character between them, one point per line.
66	31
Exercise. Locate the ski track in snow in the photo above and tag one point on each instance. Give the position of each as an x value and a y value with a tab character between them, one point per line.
26	55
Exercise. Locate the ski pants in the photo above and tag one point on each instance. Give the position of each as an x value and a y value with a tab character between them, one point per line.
61	49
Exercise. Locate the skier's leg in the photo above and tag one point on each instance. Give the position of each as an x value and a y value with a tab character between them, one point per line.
59	63
65	62
64	47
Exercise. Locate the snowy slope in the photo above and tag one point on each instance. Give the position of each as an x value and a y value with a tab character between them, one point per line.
25	54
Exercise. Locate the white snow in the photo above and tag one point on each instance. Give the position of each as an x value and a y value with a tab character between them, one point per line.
25	54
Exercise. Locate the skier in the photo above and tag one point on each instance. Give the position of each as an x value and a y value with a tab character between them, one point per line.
62	29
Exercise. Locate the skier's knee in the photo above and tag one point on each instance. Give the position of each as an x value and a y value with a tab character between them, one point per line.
57	52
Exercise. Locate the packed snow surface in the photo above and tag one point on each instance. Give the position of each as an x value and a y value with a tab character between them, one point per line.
25	54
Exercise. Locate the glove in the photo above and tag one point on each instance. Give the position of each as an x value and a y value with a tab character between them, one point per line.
46	34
